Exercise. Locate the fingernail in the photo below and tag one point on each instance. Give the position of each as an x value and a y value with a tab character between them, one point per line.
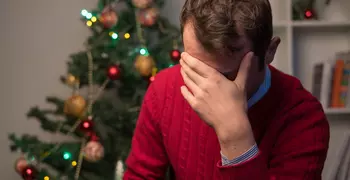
250	54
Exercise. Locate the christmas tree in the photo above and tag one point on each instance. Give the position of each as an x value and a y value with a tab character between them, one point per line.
130	42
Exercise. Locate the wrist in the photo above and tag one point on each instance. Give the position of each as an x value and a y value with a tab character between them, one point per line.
237	137
234	149
237	129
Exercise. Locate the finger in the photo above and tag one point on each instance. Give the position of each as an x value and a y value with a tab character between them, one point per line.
193	87
244	69
187	95
198	66
194	76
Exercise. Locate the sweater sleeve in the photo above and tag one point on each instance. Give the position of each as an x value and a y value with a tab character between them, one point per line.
147	159
299	153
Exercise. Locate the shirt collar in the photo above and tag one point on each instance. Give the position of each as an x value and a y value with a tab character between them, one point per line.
264	87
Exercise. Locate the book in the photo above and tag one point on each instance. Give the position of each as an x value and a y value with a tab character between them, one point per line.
331	81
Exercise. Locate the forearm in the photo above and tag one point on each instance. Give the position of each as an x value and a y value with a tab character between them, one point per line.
236	139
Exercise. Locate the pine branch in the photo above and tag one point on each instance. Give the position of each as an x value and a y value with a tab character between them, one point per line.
52	126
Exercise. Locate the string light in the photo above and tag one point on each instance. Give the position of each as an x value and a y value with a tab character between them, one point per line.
113	35
93	19
74	163
126	35
143	51
171	65
89	16
84	12
46	178
89	23
67	155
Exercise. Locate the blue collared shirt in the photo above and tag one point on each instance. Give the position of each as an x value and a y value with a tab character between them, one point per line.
253	151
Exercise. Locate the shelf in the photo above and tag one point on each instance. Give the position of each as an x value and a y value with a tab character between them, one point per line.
280	24
314	23
337	111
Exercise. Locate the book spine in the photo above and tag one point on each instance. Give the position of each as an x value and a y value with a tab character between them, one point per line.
326	84
344	85
337	79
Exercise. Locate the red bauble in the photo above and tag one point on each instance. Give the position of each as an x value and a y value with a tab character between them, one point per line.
113	72
175	55
20	164
148	17
109	17
86	126
29	173
309	14
94	137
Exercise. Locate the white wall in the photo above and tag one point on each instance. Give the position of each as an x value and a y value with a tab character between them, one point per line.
35	40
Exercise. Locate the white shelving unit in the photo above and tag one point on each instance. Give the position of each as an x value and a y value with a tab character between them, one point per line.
308	41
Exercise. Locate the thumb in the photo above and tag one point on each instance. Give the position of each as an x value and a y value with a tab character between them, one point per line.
243	71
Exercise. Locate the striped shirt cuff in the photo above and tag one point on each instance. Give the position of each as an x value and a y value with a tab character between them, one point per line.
252	152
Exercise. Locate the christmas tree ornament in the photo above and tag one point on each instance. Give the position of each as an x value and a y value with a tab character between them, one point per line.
20	164
93	151
309	14
75	106
148	17
119	170
29	173
175	55
108	17
144	65
86	126
304	10
113	72
72	80
94	137
141	4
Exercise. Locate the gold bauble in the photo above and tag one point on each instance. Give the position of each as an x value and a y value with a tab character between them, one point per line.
71	80
75	106
144	65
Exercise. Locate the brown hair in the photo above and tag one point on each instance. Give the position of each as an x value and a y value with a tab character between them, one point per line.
215	23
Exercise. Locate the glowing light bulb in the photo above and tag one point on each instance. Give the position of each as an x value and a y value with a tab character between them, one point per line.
114	36
126	35
88	15
46	178
143	51
93	19
89	23
84	12
66	155
74	163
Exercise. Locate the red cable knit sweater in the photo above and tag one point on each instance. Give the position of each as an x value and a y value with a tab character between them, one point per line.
289	126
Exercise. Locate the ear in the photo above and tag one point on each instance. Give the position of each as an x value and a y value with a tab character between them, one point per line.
271	50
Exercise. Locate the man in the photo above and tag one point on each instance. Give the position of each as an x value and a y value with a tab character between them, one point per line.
224	112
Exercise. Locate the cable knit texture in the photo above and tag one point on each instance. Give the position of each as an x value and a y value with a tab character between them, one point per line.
289	126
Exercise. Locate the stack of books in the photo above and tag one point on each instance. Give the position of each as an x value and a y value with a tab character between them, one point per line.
331	81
